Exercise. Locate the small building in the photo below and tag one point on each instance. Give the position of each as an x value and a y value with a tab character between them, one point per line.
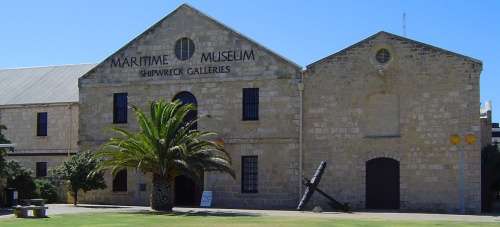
39	107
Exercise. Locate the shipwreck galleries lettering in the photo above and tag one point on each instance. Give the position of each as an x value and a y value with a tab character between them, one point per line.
162	66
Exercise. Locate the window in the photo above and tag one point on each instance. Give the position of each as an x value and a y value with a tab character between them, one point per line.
383	56
250	104
142	187
120	108
184	49
120	181
41	124
249	174
186	97
41	169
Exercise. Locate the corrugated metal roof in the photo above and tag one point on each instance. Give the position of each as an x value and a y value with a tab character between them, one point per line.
37	85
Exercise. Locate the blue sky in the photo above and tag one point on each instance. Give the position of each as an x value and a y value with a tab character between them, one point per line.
55	32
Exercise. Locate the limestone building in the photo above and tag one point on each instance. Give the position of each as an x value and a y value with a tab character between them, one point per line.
396	119
39	107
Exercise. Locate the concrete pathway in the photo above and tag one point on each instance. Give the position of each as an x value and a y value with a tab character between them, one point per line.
55	209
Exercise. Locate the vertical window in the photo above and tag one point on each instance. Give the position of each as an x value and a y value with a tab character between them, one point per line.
120	108
184	48
186	97
41	169
142	187
41	124
250	104
249	174
120	181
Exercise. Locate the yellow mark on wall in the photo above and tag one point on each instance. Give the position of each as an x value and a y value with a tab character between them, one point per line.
454	139
470	138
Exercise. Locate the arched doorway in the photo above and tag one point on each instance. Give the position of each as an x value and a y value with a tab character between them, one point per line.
187	191
382	183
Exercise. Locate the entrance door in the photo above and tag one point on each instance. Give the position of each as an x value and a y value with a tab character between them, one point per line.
382	184
187	191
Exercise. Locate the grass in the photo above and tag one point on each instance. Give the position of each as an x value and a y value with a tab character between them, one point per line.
155	219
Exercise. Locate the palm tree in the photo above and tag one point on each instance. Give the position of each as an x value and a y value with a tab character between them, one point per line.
166	146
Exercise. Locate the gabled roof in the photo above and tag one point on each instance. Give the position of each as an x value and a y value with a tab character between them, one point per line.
41	85
223	26
400	38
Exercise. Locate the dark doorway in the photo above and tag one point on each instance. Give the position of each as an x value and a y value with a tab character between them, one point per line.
187	191
382	184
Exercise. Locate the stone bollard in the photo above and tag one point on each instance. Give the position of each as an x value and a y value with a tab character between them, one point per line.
19	212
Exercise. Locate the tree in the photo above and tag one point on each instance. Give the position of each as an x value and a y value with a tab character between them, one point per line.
3	163
167	145
21	179
3	140
80	173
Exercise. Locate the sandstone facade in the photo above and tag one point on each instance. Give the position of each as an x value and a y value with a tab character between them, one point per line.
359	106
274	137
61	139
422	96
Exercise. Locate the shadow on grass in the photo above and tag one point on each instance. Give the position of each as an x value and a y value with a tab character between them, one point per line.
5	211
102	206
193	213
420	212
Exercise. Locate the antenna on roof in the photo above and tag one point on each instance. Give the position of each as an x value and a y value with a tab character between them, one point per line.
404	24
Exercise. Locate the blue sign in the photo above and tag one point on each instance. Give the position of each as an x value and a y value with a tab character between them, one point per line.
206	199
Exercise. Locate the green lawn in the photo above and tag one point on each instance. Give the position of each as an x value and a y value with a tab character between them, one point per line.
148	219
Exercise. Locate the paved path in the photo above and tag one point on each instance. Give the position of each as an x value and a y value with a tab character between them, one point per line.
86	208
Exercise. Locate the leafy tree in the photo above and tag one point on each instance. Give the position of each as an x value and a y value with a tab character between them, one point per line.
167	145
2	137
3	163
21	179
80	173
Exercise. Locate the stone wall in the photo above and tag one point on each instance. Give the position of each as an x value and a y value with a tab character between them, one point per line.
274	137
438	96
61	139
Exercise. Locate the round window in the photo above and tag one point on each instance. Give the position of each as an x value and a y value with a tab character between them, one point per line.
383	56
184	49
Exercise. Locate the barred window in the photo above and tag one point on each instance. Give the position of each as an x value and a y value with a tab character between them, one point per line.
120	181
249	174
41	124
383	56
120	108
41	169
250	104
184	49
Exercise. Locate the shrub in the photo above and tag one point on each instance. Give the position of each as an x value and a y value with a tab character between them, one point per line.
20	178
46	189
80	173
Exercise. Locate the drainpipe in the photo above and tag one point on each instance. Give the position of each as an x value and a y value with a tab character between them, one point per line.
301	107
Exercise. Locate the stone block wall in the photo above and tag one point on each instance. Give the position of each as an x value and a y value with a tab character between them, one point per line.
61	139
274	137
438	96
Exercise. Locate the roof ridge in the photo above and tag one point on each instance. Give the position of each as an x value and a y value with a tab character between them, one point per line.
47	66
185	5
397	36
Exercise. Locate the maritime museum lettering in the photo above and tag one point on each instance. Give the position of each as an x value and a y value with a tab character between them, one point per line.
162	66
